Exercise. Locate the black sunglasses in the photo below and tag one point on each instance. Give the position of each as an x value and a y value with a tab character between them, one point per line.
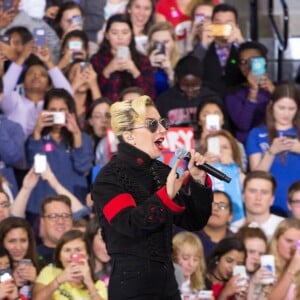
152	124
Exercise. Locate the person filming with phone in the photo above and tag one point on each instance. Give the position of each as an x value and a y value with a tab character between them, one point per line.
221	71
71	277
67	150
247	106
163	54
118	63
275	148
138	199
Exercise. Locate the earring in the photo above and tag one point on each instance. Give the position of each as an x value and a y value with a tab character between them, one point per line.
130	138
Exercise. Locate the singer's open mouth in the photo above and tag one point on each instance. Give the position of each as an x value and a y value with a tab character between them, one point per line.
158	143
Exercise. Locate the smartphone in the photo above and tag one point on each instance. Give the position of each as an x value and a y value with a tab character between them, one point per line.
5	275
160	47
241	271
77	258
75	46
290	136
213	122
258	66
84	65
205	295
59	117
77	20
213	145
4	38
40	163
25	261
7	4
39	36
123	52
220	30
268	262
199	18
77	55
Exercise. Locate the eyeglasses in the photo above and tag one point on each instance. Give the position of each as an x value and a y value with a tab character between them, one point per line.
5	204
190	88
220	205
54	217
153	124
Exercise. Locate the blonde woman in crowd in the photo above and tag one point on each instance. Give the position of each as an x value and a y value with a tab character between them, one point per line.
285	247
163	54
188	254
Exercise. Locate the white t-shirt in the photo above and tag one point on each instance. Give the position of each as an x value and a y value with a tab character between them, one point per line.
268	227
111	9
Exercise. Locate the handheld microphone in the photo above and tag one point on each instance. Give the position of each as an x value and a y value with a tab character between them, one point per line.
182	153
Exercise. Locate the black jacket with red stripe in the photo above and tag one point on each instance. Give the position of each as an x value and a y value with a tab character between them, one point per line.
135	212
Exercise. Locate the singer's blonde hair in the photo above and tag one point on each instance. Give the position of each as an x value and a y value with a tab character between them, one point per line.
125	114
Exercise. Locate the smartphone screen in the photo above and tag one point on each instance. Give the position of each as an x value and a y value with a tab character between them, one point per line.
258	66
123	52
40	163
75	46
160	47
77	20
39	36
199	18
213	145
212	122
5	39
241	271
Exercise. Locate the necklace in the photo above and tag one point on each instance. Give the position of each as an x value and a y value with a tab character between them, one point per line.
216	277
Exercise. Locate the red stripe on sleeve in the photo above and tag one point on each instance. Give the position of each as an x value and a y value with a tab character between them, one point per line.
208	182
168	202
117	204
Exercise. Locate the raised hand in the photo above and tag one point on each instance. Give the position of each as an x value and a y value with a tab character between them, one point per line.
174	182
196	160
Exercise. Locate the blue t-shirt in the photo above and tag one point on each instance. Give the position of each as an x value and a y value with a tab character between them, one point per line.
233	188
285	167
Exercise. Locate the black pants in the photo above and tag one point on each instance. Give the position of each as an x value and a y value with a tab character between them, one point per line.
141	279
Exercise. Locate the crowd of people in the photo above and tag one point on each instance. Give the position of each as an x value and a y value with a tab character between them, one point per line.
88	210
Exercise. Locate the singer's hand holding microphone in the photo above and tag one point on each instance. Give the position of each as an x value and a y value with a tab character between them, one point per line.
182	153
174	182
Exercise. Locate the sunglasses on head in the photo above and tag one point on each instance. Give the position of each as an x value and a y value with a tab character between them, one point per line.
153	124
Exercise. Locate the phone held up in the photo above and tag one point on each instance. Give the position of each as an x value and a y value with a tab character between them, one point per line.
160	47
39	35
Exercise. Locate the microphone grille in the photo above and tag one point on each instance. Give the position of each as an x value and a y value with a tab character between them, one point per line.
180	152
